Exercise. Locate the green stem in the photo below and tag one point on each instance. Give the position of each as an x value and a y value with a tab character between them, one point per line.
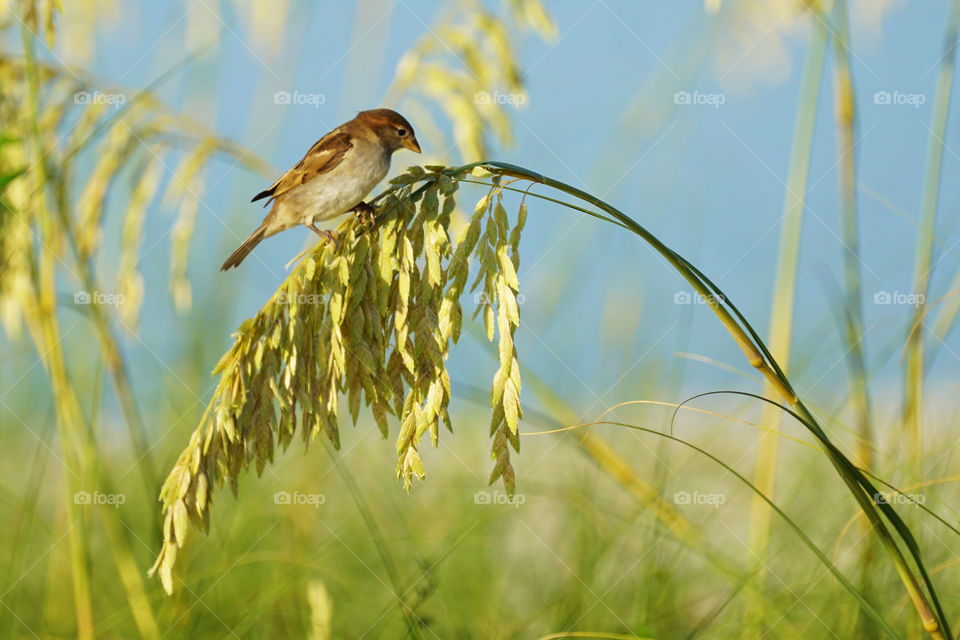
414	622
109	347
934	619
912	411
47	337
784	298
845	110
850	233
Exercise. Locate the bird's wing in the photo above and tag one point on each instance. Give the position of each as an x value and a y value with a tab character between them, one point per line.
323	156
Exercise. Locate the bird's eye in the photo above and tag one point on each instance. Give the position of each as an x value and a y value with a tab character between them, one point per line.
401	132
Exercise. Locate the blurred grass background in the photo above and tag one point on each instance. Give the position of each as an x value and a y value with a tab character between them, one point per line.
618	531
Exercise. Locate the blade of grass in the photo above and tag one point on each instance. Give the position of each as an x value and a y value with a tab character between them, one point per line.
781	312
414	623
47	336
131	575
110	351
934	619
923	265
845	113
672	521
868	608
850	231
23	525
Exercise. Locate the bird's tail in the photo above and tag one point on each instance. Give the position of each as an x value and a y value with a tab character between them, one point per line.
237	256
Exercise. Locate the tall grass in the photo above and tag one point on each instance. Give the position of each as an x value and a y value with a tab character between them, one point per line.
924	262
240	422
374	562
864	492
51	232
782	306
852	306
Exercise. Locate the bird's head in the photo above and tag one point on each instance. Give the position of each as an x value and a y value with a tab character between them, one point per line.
391	128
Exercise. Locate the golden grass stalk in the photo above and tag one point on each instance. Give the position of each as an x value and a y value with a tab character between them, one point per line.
781	313
845	113
42	321
923	262
853	332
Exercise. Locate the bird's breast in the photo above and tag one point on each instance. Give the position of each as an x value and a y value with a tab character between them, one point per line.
331	194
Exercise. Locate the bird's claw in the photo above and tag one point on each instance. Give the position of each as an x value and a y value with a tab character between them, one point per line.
366	213
327	234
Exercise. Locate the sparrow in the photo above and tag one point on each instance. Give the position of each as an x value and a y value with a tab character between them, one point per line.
338	171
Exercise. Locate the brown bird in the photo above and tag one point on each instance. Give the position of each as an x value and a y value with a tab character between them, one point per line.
333	178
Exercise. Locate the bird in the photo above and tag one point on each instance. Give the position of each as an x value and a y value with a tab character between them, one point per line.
334	176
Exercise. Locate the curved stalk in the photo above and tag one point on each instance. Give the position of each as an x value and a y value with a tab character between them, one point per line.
185	484
878	512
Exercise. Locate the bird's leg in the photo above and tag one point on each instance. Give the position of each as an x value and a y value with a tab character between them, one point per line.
366	213
326	233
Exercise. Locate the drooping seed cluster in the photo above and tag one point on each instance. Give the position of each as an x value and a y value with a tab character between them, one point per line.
371	321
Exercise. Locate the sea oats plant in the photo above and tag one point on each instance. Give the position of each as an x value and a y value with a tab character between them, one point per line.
63	160
372	319
55	118
70	145
467	64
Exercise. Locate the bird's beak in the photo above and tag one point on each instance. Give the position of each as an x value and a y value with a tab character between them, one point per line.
412	144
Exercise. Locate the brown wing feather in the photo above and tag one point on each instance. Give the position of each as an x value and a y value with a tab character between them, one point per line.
323	156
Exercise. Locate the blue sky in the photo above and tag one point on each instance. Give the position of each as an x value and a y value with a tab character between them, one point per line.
708	180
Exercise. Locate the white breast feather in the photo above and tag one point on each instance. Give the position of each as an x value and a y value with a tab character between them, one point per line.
332	194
